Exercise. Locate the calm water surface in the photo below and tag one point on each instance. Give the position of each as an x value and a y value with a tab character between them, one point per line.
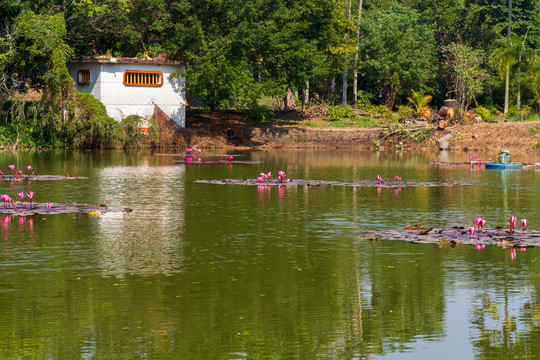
201	271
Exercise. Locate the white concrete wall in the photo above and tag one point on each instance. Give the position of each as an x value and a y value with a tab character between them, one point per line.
106	84
94	69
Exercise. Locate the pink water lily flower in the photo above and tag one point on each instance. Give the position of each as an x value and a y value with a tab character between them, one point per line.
471	230
30	196
524	224
512	223
49	205
5	198
22	195
482	224
478	221
11	167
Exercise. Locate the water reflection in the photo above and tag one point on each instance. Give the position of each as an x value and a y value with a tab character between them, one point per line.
267	272
148	240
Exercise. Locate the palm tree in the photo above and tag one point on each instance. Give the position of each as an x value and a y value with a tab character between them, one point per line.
419	101
516	57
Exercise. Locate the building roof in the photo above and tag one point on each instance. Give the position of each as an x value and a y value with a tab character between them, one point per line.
161	60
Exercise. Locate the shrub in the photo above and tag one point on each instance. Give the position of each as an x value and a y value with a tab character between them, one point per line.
89	126
341	112
257	113
483	112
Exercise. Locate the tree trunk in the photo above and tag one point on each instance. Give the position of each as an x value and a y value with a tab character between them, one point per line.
344	92
305	97
507	82
506	90
518	105
355	71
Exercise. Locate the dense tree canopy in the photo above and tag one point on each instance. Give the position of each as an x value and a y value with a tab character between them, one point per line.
238	51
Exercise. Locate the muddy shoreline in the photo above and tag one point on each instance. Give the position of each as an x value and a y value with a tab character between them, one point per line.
226	133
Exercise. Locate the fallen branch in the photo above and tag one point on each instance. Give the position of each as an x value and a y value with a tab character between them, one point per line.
14	144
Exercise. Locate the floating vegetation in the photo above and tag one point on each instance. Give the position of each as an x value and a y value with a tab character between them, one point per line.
458	235
39	177
215	162
26	209
361	183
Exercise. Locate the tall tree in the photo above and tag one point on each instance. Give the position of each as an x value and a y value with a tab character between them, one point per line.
397	52
513	59
355	68
259	46
467	75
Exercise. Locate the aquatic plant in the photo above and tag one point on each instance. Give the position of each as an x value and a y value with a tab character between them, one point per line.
264	177
512	223
30	196
5	198
11	167
478	222
524	224
282	177
22	195
471	230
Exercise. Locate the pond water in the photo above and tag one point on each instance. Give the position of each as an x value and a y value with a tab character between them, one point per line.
200	271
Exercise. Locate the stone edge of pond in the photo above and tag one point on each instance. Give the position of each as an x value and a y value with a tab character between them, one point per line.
299	182
456	236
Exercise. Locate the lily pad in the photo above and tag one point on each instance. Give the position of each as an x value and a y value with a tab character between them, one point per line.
219	162
457	235
39	177
361	183
25	209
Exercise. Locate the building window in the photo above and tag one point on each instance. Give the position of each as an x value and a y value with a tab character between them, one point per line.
143	78
83	77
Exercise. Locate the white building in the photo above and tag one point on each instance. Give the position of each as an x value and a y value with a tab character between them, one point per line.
129	86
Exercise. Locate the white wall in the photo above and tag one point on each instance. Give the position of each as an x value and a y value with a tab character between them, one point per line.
106	84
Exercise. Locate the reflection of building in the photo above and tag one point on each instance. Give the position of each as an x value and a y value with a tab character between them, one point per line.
148	240
128	86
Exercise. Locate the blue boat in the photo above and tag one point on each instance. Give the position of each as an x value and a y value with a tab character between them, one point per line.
503	166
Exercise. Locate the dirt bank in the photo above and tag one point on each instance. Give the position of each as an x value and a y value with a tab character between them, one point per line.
228	130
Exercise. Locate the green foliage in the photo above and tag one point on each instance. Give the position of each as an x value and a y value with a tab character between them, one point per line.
257	113
516	114
467	74
482	111
534	129
419	101
341	112
397	52
89	126
241	50
404	112
376	145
